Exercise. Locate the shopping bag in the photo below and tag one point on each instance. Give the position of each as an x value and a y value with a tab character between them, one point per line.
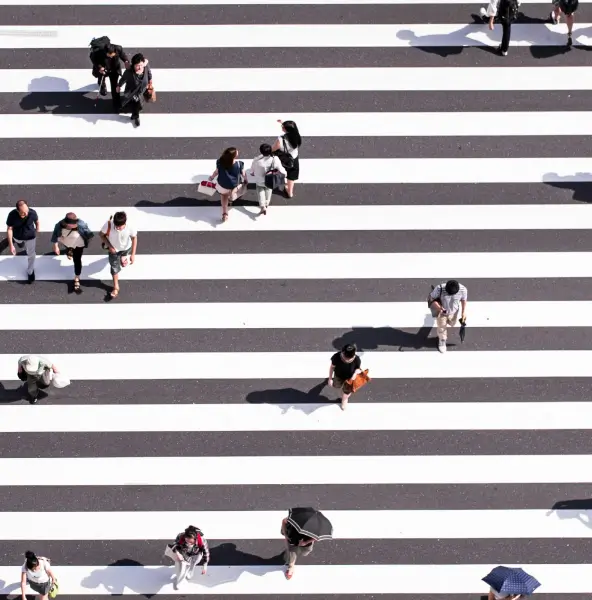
150	94
238	191
59	381
168	552
54	590
207	187
360	381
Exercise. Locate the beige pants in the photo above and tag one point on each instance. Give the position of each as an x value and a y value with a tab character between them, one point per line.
443	322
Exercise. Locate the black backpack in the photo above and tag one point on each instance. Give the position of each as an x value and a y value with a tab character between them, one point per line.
284	156
98	45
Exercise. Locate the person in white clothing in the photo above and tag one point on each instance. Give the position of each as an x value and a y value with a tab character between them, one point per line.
36	571
259	167
121	240
446	300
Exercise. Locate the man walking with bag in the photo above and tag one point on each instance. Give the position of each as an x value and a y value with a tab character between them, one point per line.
445	301
106	59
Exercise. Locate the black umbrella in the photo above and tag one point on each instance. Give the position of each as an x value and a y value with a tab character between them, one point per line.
462	333
311	523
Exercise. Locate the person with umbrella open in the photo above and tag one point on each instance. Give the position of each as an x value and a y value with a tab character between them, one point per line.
510	583
301	529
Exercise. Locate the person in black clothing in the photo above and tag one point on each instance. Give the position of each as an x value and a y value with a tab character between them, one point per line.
22	226
137	79
189	549
345	365
296	545
506	12
107	64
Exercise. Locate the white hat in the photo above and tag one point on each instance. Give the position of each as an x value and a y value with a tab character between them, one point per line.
31	365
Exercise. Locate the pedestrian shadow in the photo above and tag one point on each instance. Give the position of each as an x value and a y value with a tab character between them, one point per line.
574	509
13	391
373	338
294	399
115	581
582	190
82	103
441	44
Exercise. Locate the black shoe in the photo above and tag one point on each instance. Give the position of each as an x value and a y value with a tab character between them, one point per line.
137	121
103	90
33	399
32	277
569	41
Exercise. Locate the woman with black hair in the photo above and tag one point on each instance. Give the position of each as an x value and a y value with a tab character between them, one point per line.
188	550
36	572
231	174
345	365
289	143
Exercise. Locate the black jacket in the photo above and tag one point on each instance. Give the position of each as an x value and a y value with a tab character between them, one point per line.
112	65
134	86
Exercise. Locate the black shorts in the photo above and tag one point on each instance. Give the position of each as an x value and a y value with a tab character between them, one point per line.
40	588
293	173
568	7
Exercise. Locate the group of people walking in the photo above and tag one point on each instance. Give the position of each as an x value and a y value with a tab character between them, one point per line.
506	12
275	167
71	236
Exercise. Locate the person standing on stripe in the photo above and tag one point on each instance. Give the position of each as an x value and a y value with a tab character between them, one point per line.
121	240
137	79
506	12
189	549
37	372
231	175
22	226
568	8
345	365
289	143
445	300
74	234
106	60
297	545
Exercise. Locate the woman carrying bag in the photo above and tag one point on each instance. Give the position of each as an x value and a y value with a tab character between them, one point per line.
37	573
232	179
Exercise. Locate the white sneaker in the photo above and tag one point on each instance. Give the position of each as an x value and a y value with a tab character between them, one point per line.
483	13
442	346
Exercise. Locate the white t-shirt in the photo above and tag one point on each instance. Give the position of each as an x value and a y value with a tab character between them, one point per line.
293	152
120	239
39	576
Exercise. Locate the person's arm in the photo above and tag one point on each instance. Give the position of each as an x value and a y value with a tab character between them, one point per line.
51	574
463	304
123	56
331	371
24	585
10	240
122	81
276	146
206	553
37	227
103	234
134	248
149	73
436	295
47	364
54	239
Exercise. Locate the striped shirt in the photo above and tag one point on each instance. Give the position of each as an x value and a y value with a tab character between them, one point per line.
450	304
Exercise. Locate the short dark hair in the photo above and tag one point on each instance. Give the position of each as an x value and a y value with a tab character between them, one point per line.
265	149
110	49
119	219
452	287
349	350
137	58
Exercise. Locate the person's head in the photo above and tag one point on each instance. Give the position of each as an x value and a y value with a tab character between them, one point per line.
138	63
452	287
32	560
110	50
190	535
119	220
70	221
292	133
265	149
22	208
228	157
349	351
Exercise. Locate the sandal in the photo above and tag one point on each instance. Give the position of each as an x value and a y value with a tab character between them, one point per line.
114	292
289	573
77	286
224	217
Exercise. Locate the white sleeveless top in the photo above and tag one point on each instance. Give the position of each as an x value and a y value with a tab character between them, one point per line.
39	576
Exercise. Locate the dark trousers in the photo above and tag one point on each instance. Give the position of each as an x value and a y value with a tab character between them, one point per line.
77	258
506	33
113	79
136	107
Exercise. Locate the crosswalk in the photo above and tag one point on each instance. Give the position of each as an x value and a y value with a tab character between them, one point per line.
197	396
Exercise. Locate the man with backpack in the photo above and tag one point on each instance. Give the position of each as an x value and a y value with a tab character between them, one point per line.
106	59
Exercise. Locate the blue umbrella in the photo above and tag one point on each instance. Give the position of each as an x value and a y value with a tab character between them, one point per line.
506	580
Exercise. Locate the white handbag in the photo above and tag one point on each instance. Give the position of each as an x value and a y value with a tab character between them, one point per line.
168	552
59	381
207	187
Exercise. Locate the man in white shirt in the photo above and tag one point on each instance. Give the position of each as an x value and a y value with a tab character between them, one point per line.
121	239
445	301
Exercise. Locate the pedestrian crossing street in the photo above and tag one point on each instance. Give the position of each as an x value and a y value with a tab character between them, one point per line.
197	396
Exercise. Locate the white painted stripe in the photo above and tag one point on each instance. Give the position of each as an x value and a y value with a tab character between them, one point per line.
286	35
112	366
263	525
220	125
438	416
296	470
232	2
437	266
286	315
100	580
346	79
313	170
337	218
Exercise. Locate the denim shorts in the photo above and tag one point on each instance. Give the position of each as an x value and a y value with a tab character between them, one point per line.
115	260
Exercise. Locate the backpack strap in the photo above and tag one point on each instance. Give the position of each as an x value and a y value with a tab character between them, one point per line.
109	226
